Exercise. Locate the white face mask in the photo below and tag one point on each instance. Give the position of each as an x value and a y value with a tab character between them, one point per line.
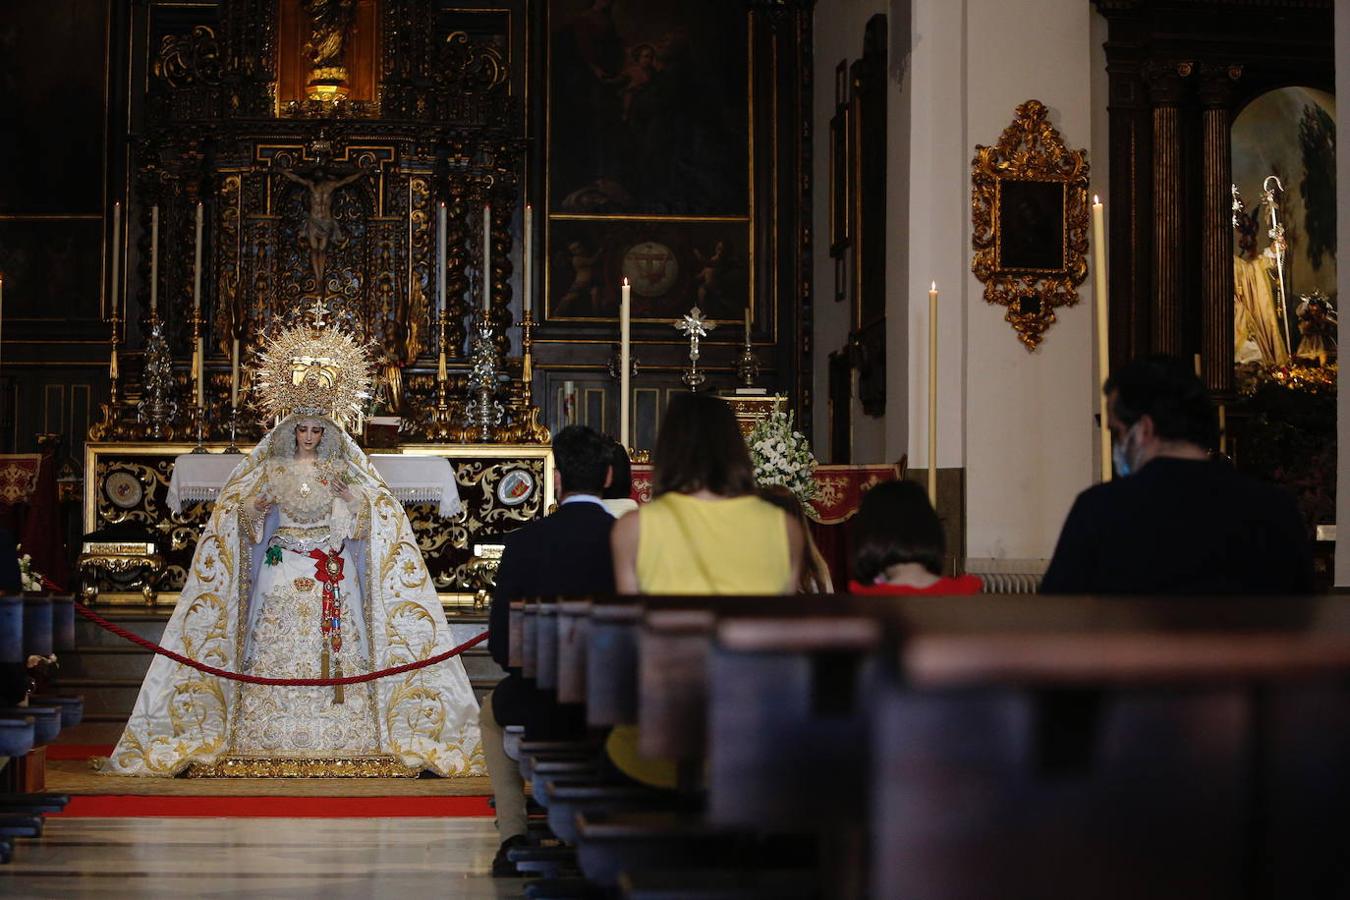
1120	456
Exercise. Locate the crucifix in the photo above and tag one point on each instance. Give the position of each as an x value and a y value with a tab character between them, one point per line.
693	326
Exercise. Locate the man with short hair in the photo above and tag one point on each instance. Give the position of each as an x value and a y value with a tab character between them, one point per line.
565	554
1174	521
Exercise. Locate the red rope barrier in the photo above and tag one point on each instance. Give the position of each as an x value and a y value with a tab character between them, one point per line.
280	682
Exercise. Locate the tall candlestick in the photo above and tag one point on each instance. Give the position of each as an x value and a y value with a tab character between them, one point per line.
487	259
1103	324
116	255
932	394
625	365
526	276
234	375
440	259
154	259
201	370
747	324
1223	429
197	264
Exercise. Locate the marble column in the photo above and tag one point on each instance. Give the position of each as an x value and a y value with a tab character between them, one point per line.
1167	85
1215	90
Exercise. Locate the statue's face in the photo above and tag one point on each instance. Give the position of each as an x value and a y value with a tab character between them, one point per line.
308	433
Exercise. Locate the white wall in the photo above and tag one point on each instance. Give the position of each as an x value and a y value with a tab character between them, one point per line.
1028	417
939	228
1342	14
1021	424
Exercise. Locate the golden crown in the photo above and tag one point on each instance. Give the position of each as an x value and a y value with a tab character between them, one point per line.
314	369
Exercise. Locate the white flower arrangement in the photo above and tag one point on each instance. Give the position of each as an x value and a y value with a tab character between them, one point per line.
782	455
30	580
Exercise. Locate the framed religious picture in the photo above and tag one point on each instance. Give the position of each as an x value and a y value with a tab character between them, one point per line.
1030	225
648	162
1029	213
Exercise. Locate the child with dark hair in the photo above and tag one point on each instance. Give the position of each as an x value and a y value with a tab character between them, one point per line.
898	545
618	494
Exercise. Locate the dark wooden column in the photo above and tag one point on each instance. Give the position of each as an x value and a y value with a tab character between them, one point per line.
1130	231
1167	84
1215	89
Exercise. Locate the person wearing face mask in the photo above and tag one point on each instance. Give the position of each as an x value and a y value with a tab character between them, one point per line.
1175	520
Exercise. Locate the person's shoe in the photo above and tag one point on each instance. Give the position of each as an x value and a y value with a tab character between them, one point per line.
502	867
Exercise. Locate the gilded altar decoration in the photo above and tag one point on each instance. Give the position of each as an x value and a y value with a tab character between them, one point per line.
1029	211
330	20
191	59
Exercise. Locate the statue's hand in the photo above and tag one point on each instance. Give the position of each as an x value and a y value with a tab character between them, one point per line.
262	502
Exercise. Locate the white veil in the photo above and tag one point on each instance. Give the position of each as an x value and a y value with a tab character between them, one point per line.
427	718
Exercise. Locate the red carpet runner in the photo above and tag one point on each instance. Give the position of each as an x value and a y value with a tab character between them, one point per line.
123	805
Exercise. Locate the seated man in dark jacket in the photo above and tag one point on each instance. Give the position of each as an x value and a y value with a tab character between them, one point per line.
565	554
1174	521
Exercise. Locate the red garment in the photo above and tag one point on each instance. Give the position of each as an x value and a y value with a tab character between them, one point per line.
960	586
42	533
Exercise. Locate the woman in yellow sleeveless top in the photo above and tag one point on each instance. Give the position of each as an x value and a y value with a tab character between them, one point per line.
704	532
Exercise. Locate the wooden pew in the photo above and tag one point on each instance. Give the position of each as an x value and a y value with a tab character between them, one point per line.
1178	747
516	634
546	646
611	662
574	628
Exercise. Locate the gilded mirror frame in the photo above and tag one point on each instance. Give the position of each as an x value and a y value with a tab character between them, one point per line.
1028	277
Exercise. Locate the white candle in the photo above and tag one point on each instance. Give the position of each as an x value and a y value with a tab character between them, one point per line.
116	253
624	364
747	325
201	370
526	275
932	394
154	259
440	260
234	375
1103	323
487	259
197	265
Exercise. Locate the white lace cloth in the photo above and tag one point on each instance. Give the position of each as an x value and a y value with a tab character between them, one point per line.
412	479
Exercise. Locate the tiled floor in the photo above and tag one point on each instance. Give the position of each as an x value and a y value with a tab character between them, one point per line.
407	859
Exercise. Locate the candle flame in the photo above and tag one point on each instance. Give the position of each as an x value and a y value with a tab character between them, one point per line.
1096	201
625	281
934	287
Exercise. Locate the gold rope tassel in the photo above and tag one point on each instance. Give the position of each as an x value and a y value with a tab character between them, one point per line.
337	688
323	661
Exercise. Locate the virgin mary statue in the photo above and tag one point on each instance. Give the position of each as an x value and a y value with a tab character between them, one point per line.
307	569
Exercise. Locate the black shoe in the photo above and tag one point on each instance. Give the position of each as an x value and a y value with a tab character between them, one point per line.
503	867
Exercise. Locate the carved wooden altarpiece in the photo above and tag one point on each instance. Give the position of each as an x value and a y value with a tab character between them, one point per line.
326	198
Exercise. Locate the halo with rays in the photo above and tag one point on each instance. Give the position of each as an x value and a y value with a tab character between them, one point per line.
314	369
